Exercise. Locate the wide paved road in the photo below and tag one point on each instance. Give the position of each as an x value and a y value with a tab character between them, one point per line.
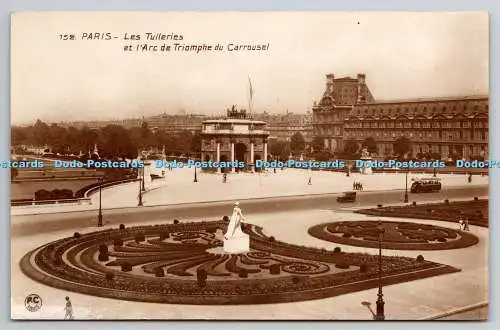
30	224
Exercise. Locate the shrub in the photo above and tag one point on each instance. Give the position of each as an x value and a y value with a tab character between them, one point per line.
243	273
476	198
118	242
51	247
201	277
122	226
379	205
176	222
103	256
272	239
140	238
66	193
337	249
342	266
346	235
201	274
414	203
103	248
126	267
275	269
363	268
441	239
225	218
430	210
110	276
420	258
447	201
159	272
43	194
77	235
56	193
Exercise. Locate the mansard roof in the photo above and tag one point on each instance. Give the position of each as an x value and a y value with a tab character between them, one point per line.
436	108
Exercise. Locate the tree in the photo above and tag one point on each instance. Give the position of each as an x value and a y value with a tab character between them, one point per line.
370	144
402	146
317	144
196	143
18	136
297	143
88	138
279	149
41	133
58	139
116	143
350	149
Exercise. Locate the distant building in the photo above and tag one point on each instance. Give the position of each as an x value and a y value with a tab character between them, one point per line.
283	127
176	123
455	127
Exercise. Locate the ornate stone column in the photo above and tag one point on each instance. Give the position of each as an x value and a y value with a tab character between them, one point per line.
265	150
218	155
232	155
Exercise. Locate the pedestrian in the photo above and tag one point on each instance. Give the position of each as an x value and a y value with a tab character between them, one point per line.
69	310
466	225
224	178
310	183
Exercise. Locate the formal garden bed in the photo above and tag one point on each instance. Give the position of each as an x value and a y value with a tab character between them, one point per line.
169	263
395	236
476	211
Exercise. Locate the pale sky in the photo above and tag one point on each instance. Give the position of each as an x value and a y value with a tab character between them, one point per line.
404	55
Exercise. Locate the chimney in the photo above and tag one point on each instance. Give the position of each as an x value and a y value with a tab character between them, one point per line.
329	82
361	82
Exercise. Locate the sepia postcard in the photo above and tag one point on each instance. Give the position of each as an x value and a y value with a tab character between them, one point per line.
249	165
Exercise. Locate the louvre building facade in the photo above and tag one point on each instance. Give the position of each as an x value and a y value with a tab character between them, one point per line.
449	127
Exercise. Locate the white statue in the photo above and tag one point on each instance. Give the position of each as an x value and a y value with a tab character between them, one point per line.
234	227
235	240
365	153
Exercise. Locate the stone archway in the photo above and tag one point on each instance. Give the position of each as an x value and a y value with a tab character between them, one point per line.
240	150
223	158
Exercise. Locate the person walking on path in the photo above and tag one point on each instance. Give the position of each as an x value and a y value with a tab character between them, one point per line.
68	309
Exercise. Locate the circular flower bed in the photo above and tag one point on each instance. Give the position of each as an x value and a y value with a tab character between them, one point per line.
172	263
396	235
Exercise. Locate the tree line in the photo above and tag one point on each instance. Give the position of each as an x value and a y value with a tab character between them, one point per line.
113	141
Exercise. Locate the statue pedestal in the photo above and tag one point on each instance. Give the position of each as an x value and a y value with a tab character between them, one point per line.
366	169
237	244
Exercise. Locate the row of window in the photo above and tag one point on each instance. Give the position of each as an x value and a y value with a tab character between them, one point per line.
454	135
476	106
418	124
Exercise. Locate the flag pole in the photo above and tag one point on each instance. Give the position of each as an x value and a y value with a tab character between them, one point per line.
250	100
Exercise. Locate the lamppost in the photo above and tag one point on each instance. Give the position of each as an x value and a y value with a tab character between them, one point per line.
435	172
99	217
379	316
195	176
406	187
143	187
141	182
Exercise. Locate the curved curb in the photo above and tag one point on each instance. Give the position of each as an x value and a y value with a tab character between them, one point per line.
456	311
